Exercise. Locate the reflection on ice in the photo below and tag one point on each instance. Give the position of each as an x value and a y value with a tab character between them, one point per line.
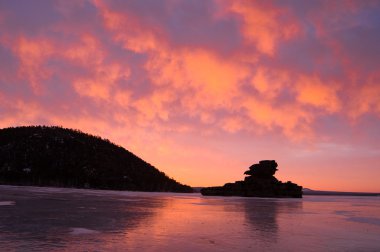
262	215
56	219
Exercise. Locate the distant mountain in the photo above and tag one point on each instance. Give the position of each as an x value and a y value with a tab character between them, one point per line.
307	191
55	156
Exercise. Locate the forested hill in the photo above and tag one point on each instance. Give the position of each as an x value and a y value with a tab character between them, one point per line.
55	156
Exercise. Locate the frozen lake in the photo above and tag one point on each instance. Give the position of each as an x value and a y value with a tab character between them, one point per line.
56	219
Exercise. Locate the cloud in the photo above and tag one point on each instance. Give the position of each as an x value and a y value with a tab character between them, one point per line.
264	24
31	55
312	91
366	99
201	81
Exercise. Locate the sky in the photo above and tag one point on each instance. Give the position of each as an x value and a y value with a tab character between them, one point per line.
203	89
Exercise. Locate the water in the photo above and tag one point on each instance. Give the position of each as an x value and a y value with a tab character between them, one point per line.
54	219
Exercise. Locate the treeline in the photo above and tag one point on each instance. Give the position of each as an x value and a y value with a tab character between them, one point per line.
57	156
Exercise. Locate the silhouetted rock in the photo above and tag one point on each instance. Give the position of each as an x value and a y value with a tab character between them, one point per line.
264	169
259	183
55	156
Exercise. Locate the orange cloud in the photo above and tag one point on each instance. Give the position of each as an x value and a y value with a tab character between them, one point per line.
312	91
128	30
208	82
23	113
262	25
366	99
270	83
291	119
90	53
123	98
87	51
32	53
232	124
155	106
211	80
100	85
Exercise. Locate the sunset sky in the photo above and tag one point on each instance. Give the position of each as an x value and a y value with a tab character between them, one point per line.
202	89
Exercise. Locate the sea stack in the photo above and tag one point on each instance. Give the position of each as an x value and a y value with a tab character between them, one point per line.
260	182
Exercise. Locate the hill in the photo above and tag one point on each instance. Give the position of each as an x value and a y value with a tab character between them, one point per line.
55	156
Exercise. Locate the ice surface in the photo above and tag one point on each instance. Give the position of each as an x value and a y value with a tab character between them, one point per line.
80	231
64	219
7	203
366	220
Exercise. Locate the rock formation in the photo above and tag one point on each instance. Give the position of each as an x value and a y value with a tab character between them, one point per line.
260	182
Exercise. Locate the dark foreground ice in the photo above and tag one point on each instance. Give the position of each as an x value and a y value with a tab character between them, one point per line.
56	219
